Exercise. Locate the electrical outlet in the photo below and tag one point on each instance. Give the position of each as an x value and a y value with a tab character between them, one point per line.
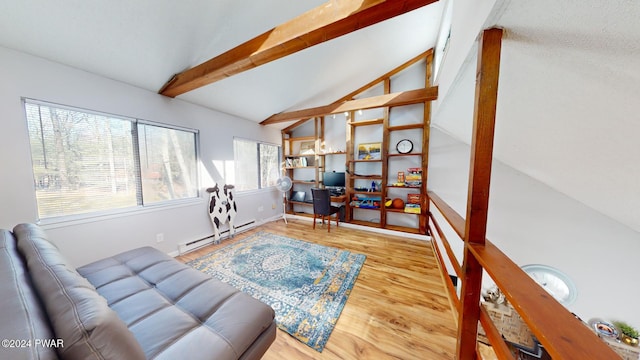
273	206
260	208
159	237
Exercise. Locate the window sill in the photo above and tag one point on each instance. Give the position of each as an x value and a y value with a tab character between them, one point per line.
71	220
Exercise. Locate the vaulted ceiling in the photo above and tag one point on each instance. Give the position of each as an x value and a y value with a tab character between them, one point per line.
145	42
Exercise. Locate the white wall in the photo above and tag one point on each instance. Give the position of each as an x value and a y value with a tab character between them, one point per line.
27	76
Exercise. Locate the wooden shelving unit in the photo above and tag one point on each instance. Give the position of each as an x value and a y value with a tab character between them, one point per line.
355	179
291	148
383	177
386	156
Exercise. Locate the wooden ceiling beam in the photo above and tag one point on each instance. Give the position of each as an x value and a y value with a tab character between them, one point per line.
395	99
326	22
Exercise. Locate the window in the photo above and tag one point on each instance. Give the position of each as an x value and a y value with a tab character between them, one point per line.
167	162
256	164
86	162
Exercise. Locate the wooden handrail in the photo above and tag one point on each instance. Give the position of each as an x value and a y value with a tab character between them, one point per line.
448	250
453	218
562	334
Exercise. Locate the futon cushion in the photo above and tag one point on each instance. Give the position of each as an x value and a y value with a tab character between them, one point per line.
22	318
79	316
172	308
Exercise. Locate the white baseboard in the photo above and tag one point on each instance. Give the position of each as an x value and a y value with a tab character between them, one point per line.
188	246
370	228
253	224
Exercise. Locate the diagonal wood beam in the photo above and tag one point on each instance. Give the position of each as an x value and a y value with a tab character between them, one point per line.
395	99
349	96
326	22
389	74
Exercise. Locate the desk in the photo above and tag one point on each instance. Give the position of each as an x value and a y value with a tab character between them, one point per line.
334	199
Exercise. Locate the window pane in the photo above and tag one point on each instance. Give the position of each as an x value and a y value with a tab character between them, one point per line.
256	164
269	165
168	163
246	163
81	162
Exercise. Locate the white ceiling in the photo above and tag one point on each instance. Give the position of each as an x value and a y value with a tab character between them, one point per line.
145	42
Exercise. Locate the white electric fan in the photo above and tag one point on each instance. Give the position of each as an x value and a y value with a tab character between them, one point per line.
284	185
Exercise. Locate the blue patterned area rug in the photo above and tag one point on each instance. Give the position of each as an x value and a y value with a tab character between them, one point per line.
306	284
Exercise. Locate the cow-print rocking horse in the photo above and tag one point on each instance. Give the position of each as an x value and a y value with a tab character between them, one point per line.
222	208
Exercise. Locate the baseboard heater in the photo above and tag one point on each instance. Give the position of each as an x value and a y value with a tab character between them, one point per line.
184	248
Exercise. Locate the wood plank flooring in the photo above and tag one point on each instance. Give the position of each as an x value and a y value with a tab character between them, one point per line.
398	308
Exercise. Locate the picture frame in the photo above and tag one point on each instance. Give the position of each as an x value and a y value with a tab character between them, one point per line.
308	147
370	151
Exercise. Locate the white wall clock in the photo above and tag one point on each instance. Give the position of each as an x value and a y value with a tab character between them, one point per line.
554	281
404	146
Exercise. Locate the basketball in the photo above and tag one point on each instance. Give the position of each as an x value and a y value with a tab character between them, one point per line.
397	203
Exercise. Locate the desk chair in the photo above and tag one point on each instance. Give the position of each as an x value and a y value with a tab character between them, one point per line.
322	207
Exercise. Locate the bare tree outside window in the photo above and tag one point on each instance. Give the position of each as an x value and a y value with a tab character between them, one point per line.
168	163
269	165
87	162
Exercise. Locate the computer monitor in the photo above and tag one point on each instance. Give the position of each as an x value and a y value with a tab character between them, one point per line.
333	179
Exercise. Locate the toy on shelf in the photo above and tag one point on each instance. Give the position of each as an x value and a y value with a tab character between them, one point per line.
364	202
396	203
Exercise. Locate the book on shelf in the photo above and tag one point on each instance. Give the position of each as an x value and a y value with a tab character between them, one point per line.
412	208
413	180
296	161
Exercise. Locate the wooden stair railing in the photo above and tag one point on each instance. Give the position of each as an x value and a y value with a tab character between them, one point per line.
559	331
562	334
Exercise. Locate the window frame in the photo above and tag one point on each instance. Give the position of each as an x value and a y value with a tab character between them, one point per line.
196	134
257	144
141	206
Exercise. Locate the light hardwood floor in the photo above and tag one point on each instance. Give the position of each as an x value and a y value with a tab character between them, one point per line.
398	308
